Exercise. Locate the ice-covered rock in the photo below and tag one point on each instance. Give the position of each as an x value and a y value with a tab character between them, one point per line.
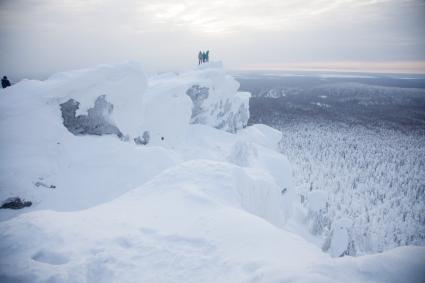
211	95
217	101
15	203
122	86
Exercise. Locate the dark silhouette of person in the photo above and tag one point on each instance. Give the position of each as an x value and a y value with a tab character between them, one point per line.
207	56
204	57
5	82
200	56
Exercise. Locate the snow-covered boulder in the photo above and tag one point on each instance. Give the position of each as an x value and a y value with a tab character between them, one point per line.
206	95
122	86
340	237
317	204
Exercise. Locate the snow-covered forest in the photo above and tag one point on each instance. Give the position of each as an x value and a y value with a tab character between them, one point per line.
376	179
363	155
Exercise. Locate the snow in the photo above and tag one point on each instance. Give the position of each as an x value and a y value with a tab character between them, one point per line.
340	237
275	93
262	135
203	199
317	200
324	105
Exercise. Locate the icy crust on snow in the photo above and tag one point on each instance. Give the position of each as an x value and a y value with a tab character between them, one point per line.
188	193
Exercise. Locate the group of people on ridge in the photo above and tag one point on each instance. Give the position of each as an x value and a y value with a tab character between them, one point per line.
5	82
203	57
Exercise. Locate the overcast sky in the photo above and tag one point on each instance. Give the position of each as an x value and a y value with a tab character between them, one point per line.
38	37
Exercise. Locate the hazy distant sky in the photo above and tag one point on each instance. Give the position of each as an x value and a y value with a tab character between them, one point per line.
38	37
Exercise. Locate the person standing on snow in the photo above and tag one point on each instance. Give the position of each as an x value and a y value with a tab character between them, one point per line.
5	82
200	57
207	56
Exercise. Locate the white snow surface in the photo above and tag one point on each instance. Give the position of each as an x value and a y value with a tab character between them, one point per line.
210	202
317	200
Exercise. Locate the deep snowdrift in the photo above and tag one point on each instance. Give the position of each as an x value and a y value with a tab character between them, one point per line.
134	179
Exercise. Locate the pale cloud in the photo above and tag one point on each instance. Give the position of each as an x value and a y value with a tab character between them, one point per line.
242	15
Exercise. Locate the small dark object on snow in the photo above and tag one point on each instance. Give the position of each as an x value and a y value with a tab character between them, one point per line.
15	203
144	140
41	184
5	82
283	191
162	138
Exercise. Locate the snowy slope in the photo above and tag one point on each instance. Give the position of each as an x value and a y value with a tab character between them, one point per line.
158	181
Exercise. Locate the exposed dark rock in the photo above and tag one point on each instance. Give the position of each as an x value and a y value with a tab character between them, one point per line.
15	203
144	139
96	122
198	94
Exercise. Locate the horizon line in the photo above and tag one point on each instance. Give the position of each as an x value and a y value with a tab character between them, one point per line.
392	67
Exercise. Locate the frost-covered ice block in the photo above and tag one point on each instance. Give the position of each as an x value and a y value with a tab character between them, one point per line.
230	114
204	95
216	100
117	99
122	86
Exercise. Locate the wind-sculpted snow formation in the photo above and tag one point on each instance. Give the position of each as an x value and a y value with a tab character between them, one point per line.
136	179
